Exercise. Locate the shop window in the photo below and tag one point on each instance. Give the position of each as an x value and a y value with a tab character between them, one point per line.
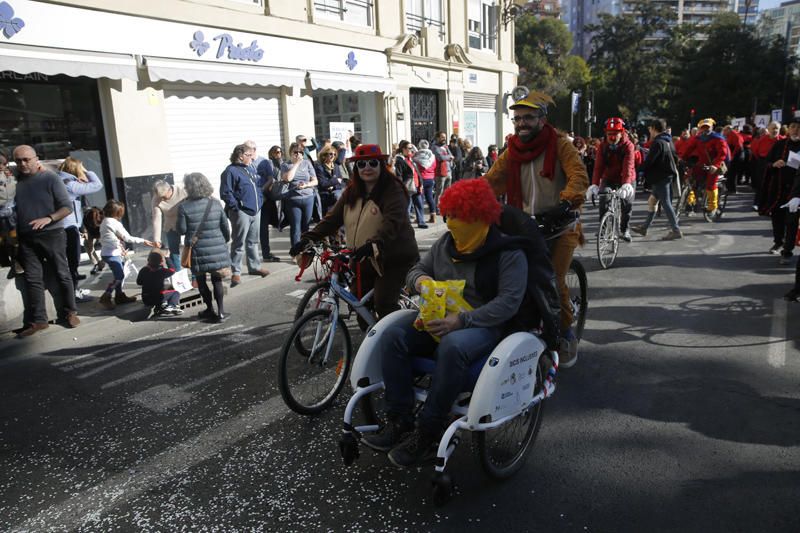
57	115
336	107
482	25
422	13
356	12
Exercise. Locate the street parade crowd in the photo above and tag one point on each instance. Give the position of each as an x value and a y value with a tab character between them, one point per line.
45	222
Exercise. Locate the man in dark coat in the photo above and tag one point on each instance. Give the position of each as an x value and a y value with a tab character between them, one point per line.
660	168
776	191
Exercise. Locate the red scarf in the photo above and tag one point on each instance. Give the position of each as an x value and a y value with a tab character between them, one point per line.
519	153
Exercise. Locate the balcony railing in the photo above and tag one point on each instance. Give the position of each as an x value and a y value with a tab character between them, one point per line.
415	23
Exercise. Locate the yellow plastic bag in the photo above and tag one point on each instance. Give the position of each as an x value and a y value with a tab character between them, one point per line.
437	299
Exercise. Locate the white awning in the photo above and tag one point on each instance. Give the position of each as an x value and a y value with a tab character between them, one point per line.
205	72
51	61
350	82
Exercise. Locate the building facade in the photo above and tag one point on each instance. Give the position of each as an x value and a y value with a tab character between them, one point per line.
783	21
153	89
584	12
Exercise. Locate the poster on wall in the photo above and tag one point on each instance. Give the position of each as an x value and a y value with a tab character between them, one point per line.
470	130
342	131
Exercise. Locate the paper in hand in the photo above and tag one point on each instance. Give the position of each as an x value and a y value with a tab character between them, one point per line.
793	160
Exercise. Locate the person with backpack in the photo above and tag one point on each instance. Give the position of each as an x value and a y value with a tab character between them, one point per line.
541	174
615	168
495	279
709	152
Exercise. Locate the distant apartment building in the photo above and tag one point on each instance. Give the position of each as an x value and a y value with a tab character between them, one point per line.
784	21
581	13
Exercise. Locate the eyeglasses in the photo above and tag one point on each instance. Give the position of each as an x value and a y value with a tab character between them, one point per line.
248	154
525	118
374	163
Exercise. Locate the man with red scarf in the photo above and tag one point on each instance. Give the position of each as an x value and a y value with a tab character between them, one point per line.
542	174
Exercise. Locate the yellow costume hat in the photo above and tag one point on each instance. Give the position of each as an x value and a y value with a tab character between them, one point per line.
710	122
534	100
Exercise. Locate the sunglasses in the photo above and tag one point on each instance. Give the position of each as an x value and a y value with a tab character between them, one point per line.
330	155
296	153
374	163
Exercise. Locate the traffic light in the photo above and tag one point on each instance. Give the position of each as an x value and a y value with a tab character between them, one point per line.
692	112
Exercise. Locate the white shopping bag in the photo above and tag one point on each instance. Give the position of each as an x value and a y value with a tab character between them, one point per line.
129	269
180	281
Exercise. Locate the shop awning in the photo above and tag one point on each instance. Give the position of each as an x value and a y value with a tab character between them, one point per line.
350	82
51	61
204	72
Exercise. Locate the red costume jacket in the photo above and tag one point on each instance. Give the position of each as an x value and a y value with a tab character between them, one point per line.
615	167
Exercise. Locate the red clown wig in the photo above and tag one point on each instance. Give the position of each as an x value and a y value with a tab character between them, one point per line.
471	200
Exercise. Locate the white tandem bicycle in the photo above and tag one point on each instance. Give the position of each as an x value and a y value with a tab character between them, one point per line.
502	406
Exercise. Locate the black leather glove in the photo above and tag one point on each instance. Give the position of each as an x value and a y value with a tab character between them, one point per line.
362	252
558	212
299	246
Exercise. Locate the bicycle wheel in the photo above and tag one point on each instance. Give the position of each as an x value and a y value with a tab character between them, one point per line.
607	241
577	285
502	451
310	383
723	200
681	202
312	299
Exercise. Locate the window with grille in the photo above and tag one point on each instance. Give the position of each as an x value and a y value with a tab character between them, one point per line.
356	12
422	13
482	24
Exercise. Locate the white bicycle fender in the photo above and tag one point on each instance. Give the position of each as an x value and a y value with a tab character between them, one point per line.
508	379
367	363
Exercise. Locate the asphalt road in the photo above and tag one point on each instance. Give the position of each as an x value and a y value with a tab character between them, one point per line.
682	414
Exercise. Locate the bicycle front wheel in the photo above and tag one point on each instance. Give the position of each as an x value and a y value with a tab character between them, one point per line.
310	382
607	241
577	286
312	299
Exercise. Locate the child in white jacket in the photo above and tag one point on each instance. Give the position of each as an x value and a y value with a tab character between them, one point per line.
113	237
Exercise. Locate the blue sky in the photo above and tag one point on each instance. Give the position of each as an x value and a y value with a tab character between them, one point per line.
767	4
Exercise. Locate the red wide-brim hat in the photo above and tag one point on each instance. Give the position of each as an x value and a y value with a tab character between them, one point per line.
368	151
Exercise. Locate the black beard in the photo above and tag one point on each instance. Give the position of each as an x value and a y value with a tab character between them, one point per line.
528	138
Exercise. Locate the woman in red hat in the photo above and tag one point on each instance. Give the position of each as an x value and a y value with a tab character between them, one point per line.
374	211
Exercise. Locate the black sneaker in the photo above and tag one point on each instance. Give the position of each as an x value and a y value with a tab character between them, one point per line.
792	295
417	450
390	436
776	249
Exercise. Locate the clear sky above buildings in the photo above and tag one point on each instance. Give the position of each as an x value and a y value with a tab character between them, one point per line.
768	4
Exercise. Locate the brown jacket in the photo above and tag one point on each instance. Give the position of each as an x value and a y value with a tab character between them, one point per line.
569	183
383	221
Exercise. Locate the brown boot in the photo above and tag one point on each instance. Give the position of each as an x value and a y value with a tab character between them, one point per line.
432	219
122	298
106	302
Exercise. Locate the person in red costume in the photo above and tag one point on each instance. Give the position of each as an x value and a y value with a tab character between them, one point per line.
614	168
736	146
709	150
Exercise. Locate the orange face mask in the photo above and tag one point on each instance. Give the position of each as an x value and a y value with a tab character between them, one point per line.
468	236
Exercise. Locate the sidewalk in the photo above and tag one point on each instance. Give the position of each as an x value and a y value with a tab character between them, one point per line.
11	306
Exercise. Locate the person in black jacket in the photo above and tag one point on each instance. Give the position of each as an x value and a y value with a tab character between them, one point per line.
151	278
660	168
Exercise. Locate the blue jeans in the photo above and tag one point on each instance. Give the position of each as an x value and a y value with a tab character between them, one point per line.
663	191
415	204
298	211
427	189
245	235
117	266
174	244
454	354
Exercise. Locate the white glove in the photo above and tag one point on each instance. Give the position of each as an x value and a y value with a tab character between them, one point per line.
792	204
592	191
627	192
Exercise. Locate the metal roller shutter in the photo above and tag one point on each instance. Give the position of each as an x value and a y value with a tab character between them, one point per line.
204	125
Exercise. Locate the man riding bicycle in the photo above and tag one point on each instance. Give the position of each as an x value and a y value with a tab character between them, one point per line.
542	173
708	150
615	169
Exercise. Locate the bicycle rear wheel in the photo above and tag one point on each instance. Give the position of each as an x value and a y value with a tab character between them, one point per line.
723	200
503	450
309	383
607	241
681	201
577	285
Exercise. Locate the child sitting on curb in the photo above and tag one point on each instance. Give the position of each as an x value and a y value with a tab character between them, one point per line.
151	278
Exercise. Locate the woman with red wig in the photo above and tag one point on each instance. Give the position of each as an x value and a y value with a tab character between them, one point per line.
374	212
474	250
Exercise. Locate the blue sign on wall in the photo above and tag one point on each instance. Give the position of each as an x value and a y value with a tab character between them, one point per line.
233	50
9	25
